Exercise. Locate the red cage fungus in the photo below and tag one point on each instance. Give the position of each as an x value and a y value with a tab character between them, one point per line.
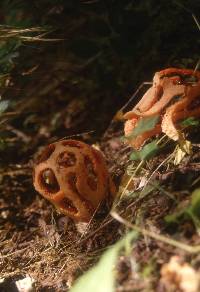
74	177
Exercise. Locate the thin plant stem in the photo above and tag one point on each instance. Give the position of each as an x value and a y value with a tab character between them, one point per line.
162	238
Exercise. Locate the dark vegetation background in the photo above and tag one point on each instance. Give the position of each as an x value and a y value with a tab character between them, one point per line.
107	49
81	65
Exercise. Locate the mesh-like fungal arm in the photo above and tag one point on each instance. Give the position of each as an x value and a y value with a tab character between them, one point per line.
74	177
174	95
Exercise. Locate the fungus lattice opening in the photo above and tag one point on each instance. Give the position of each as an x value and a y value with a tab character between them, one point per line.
66	159
48	181
92	177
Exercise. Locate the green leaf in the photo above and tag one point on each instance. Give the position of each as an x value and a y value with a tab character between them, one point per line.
144	125
190	210
4	105
101	278
147	152
191	121
135	155
195	202
175	217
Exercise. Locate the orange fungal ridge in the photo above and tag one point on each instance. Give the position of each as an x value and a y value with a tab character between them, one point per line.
174	96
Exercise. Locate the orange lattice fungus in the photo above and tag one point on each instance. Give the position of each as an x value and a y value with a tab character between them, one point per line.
74	177
174	96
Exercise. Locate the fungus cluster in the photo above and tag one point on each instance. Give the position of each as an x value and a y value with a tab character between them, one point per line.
174	96
74	177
